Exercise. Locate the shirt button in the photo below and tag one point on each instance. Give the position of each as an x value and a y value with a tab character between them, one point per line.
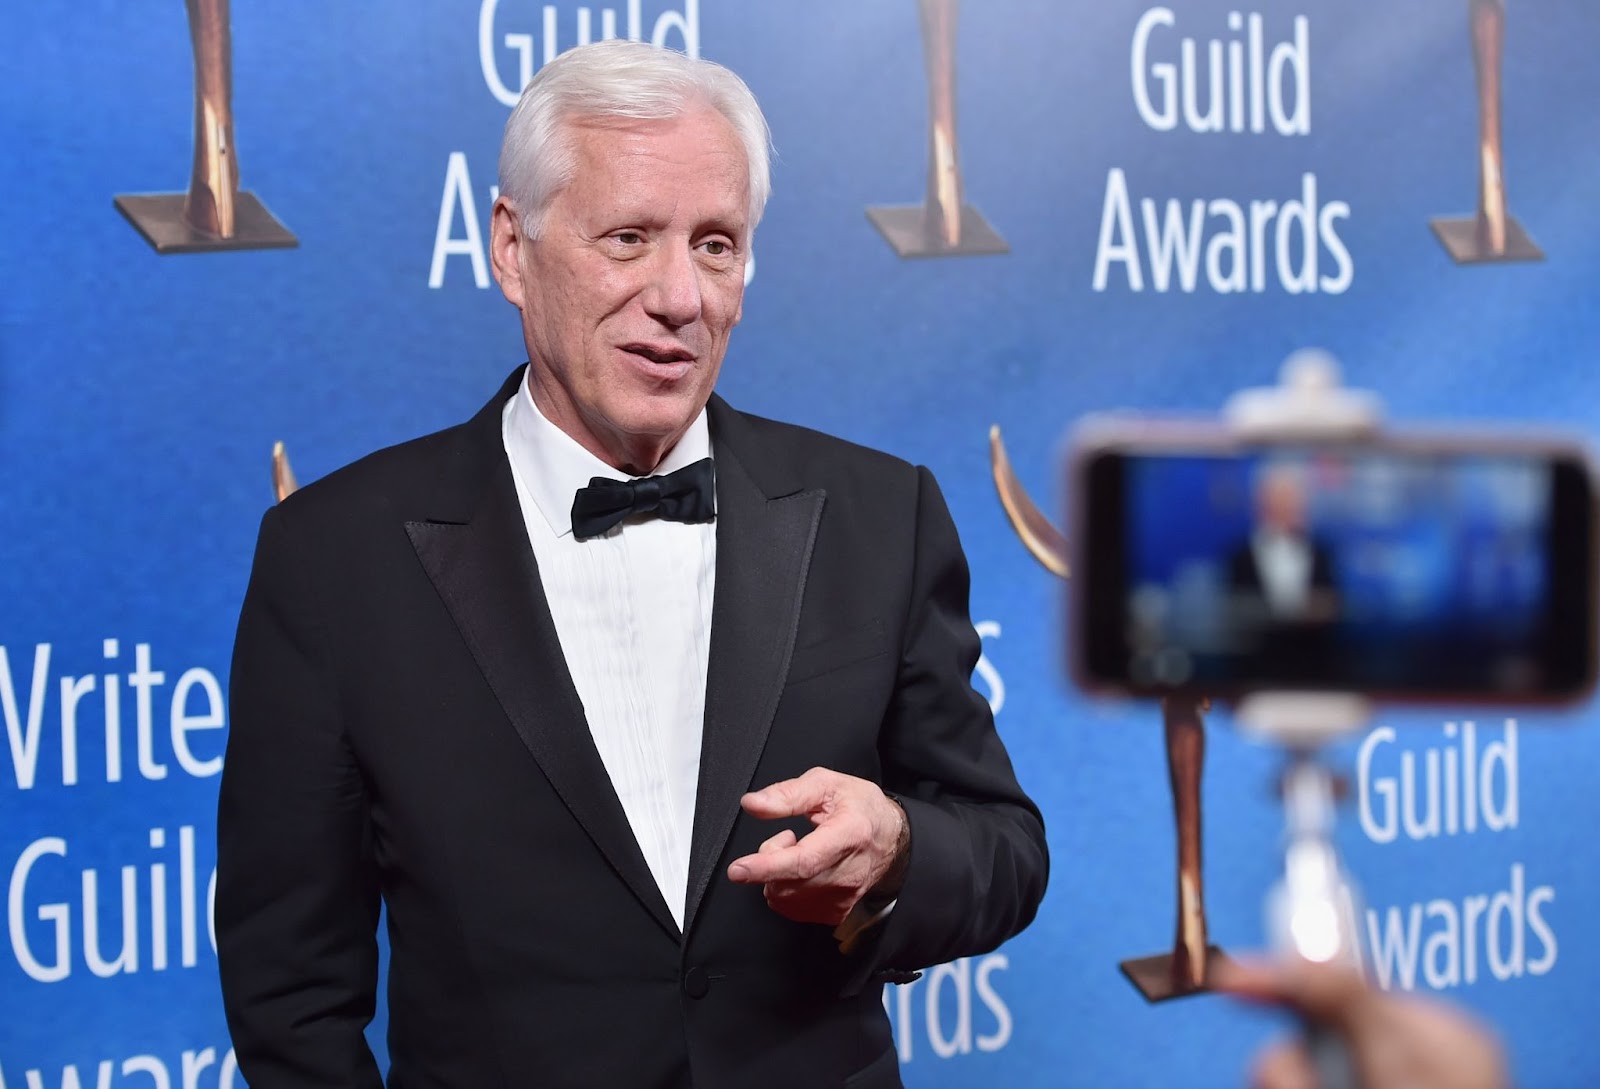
696	983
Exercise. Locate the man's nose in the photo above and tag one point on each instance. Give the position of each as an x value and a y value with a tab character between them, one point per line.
673	295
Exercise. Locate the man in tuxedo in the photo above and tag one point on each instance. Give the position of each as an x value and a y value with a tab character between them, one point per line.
1282	571
1284	604
649	722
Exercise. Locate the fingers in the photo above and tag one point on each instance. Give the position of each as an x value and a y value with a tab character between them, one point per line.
1284	1066
1327	993
791	859
780	842
1253	978
799	797
1393	1041
785	838
818	877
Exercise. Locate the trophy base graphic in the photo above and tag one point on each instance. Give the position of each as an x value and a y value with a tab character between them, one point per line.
913	232
1466	244
1155	979
159	217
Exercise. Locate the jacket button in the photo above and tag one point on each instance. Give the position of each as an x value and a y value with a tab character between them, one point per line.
696	983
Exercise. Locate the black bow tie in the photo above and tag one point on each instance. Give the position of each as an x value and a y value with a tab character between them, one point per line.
683	496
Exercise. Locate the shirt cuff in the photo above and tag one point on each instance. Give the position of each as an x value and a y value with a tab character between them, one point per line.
861	919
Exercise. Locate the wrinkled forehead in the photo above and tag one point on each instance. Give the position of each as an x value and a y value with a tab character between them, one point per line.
691	164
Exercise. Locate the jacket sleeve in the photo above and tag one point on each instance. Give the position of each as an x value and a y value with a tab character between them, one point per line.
978	861
297	889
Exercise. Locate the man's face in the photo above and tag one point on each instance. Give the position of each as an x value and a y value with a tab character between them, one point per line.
630	292
1283	505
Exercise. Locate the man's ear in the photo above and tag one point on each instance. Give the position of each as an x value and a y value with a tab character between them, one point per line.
505	250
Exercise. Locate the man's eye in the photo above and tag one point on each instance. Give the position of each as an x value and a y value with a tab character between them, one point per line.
716	248
629	238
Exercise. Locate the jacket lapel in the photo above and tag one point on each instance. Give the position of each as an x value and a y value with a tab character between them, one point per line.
484	570
766	527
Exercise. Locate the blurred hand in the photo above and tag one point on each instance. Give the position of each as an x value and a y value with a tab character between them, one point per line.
1396	1041
819	877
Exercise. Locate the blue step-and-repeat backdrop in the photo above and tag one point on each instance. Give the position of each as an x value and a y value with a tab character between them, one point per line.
1186	193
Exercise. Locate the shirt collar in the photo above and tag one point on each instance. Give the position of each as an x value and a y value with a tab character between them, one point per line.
553	466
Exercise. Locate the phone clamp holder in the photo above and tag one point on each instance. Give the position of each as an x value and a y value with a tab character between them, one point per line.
1307	405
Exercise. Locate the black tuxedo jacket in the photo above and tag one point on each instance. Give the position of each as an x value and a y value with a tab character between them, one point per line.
1244	574
404	729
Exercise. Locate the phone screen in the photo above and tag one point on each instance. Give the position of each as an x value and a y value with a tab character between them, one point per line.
1421	572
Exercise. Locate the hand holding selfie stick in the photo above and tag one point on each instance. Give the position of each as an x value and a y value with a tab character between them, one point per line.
1398	1041
1311	913
215	214
1182	971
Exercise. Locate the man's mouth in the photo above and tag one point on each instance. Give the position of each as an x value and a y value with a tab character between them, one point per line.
659	354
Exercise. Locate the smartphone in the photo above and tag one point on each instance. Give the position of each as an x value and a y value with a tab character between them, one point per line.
1438	567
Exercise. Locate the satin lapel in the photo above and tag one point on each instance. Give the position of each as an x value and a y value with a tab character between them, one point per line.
485	571
763	553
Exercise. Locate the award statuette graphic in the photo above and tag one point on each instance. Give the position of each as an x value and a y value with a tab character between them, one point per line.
1492	234
215	214
283	482
1184	970
943	225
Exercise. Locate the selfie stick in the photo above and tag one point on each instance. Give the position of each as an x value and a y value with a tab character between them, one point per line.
1311	913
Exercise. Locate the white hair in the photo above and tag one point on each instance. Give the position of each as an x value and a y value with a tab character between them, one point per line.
622	80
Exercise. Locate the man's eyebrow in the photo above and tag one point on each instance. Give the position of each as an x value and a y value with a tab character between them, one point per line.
733	225
624	216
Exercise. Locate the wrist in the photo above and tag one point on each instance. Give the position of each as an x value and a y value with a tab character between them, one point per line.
887	887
